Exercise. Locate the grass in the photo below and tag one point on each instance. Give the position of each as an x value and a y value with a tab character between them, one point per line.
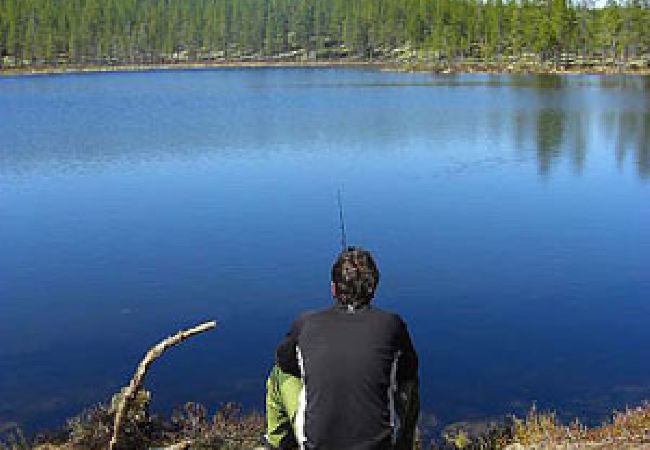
189	427
629	429
192	427
402	65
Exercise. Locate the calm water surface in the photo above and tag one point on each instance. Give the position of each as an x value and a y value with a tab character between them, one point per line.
509	215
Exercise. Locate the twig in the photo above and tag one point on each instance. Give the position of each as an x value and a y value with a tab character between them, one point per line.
178	446
138	378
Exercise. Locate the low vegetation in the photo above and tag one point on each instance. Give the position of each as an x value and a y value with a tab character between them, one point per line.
629	429
229	428
189	426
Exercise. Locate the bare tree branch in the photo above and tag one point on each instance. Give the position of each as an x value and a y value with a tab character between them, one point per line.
138	378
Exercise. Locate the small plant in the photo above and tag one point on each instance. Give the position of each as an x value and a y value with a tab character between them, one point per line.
92	429
12	437
229	428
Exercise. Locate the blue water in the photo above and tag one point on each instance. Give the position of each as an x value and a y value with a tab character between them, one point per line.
509	216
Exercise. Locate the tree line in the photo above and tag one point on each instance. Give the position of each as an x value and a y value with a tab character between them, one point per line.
46	32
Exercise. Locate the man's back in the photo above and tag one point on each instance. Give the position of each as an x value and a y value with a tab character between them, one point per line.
351	361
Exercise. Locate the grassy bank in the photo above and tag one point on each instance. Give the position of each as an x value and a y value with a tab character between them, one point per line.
628	429
91	68
191	427
492	67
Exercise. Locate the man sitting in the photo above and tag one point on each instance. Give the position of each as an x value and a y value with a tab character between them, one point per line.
345	377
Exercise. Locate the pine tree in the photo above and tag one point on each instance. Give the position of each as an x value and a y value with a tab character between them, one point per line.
148	31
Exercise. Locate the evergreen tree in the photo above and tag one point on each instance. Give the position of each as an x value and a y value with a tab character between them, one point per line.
34	32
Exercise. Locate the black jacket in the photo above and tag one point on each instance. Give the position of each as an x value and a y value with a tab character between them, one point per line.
353	363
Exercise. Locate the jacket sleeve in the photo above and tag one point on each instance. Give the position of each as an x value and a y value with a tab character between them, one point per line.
407	365
285	355
408	403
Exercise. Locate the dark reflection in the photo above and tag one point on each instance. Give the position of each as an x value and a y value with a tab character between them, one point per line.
628	82
550	81
520	129
632	137
560	135
550	133
544	81
643	150
579	141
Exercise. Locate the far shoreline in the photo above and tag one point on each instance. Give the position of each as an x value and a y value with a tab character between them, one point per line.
391	66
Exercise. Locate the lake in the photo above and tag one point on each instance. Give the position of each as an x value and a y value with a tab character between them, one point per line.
509	216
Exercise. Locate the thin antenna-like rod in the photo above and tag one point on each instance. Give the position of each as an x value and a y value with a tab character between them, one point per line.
344	240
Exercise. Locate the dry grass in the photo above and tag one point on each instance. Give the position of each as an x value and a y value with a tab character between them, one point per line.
192	427
629	429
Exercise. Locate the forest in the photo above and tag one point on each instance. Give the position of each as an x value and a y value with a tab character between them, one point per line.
119	32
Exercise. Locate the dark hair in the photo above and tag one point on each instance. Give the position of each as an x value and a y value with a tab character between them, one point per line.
355	276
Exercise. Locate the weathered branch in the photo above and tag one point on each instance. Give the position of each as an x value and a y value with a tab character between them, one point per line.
138	378
184	445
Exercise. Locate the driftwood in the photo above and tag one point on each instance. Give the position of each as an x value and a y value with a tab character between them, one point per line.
178	446
138	378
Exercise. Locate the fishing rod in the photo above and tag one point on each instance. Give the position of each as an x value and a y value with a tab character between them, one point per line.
344	240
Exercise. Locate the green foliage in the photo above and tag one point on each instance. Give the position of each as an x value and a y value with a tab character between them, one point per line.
12	437
52	32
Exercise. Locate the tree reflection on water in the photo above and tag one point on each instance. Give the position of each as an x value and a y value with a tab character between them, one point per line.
632	138
550	118
558	133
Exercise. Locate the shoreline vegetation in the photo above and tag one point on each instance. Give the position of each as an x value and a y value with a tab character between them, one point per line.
539	36
126	423
464	67
229	428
